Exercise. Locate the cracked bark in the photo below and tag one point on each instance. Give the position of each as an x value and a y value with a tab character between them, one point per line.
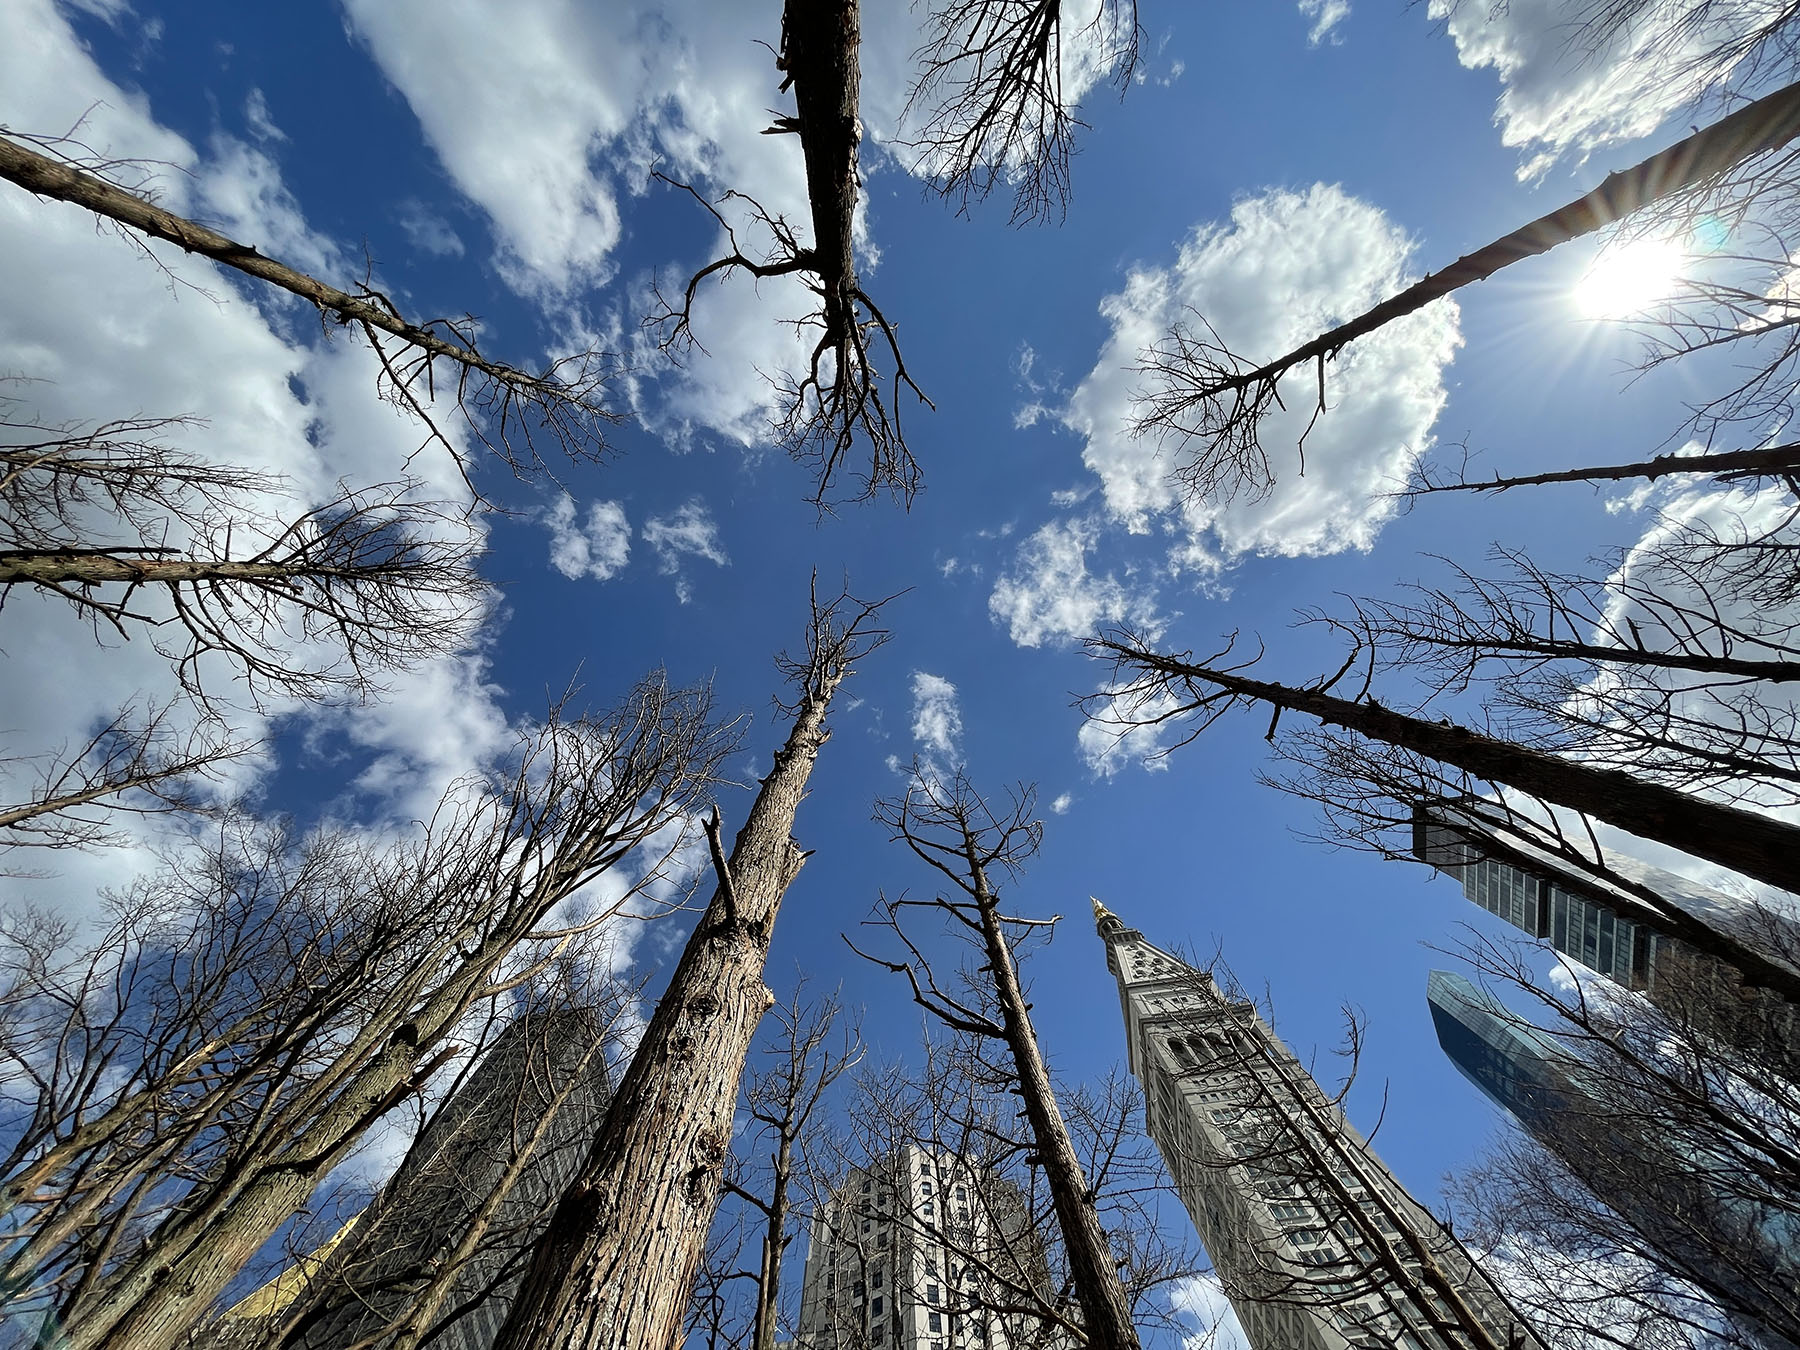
614	1270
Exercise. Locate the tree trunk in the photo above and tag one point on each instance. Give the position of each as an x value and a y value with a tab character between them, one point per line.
819	53
774	1244
1105	1306
1766	124
89	569
47	177
1773	461
615	1268
1757	845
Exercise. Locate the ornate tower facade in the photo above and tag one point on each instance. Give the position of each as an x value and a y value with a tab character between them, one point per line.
1317	1245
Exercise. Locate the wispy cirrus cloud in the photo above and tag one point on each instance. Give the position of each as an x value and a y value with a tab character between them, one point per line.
687	532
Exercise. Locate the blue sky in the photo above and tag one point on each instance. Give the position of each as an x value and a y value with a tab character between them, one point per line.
1276	166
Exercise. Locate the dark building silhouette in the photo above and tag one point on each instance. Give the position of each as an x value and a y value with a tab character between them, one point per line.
502	1148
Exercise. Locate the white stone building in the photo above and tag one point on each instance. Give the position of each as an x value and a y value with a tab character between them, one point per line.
1317	1245
924	1252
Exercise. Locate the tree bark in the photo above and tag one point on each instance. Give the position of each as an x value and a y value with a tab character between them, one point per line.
1773	461
93	569
48	177
1757	845
819	53
1105	1306
615	1268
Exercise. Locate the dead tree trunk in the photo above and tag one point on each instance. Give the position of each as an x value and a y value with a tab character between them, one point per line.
1757	845
1772	461
99	568
564	397
951	827
614	1269
1105	1307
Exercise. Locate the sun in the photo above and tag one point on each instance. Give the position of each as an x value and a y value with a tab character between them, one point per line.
1628	279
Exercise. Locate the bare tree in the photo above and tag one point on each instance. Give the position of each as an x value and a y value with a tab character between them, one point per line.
255	1010
937	1159
504	407
446	1238
810	1055
1158	689
838	396
617	1264
141	762
951	827
1209	400
772	1175
1778	462
139	537
988	99
1663	1161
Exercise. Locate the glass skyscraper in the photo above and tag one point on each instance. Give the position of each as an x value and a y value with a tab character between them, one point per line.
1682	1201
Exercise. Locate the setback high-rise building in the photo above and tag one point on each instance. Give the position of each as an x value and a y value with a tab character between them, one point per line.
1317	1245
924	1251
1680	1201
1611	919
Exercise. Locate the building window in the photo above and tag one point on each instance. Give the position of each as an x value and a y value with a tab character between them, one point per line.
875	1306
962	1195
931	1294
927	1210
866	1185
934	1321
924	1188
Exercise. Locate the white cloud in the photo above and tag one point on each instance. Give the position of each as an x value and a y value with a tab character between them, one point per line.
307	407
256	116
1286	267
1558	98
1062	804
936	719
1049	596
598	548
1123	730
1202	1298
688	532
428	231
1326	15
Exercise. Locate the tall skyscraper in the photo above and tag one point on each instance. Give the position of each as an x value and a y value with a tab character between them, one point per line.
922	1252
1317	1245
500	1151
1679	1200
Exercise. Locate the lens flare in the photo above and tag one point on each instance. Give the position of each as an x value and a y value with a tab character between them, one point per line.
1628	279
